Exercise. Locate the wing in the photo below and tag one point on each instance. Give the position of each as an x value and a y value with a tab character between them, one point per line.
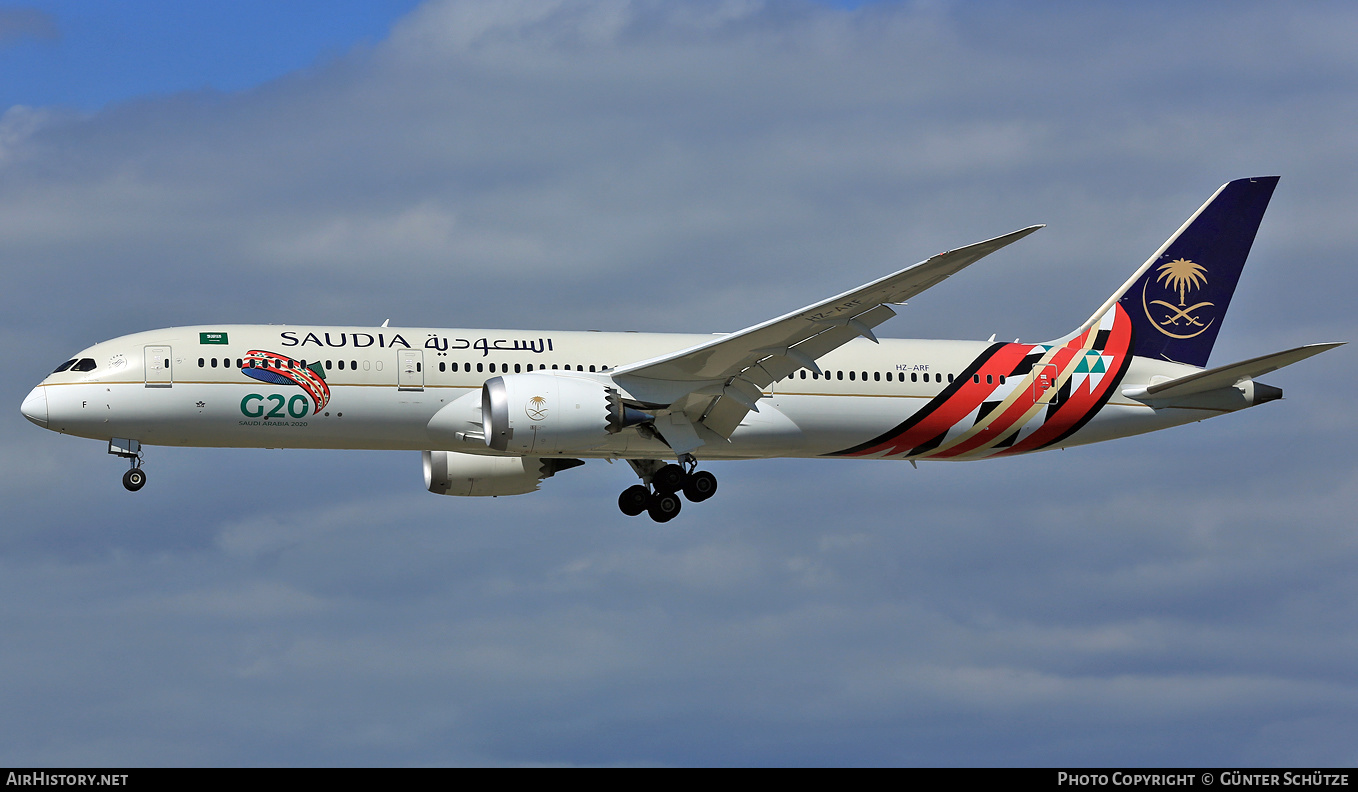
717	382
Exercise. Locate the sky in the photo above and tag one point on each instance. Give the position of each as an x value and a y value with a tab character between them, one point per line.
1179	598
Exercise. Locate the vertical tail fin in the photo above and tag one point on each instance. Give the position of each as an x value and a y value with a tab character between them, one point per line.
1177	299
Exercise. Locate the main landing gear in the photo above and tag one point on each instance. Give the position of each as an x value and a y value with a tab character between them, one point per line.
661	499
135	478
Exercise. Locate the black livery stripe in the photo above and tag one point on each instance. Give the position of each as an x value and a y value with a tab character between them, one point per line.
928	409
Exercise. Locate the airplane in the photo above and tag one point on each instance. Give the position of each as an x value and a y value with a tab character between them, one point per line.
496	412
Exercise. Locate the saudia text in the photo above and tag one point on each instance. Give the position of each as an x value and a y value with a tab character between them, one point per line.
435	342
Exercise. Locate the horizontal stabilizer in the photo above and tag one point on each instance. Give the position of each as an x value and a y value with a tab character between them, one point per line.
1225	376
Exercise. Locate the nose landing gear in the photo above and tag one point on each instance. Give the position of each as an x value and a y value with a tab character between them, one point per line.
658	495
135	478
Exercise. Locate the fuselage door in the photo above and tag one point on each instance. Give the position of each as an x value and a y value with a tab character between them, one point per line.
1044	384
158	373
410	370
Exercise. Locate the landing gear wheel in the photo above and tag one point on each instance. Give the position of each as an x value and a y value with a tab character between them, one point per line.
669	478
700	486
633	500
664	506
134	479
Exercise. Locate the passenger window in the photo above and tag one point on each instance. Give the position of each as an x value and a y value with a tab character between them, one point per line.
480	366
591	368
442	365
201	362
327	365
877	376
353	364
341	365
554	368
865	376
990	379
492	368
949	378
214	362
851	373
976	378
516	369
1001	379
839	375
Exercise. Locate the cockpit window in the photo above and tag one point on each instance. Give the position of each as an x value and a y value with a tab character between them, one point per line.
65	366
84	364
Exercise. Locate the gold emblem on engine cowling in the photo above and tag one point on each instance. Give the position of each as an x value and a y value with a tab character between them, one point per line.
536	408
1183	277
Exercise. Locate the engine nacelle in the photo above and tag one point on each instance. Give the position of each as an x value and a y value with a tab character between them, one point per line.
551	413
451	473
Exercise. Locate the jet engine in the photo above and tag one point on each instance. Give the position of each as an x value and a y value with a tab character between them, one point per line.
451	473
551	413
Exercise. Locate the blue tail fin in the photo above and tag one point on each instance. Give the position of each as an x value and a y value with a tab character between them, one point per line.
1177	300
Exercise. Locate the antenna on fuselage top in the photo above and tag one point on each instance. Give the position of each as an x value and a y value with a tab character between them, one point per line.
385	321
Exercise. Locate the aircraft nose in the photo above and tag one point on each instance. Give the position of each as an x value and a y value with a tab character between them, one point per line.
34	407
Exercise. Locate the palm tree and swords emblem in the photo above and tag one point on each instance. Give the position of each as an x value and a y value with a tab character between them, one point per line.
536	408
1183	276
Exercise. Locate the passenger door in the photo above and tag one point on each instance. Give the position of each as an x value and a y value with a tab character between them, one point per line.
158	371
410	370
1044	384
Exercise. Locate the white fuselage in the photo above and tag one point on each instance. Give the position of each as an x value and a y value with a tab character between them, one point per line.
184	387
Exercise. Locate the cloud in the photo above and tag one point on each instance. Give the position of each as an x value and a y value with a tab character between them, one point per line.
19	23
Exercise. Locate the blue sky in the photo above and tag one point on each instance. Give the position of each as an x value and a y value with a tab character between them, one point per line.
1178	598
87	55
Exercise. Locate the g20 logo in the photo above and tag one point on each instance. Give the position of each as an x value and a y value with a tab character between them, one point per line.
253	406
